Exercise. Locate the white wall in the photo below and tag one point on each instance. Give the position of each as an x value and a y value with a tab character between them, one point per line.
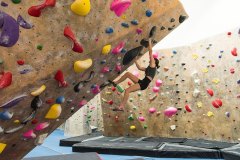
206	18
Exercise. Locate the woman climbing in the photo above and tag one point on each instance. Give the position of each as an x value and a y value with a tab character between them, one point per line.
139	84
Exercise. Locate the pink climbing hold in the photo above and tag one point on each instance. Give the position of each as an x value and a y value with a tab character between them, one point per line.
170	111
217	103
118	48
105	69
120	6
234	52
95	89
77	47
29	134
210	92
42	126
158	83
36	11
118	67
155	54
141	118
152	110
5	80
139	31
136	73
82	103
188	108
60	78
156	89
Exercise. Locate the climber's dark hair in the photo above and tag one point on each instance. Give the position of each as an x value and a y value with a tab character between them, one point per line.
157	62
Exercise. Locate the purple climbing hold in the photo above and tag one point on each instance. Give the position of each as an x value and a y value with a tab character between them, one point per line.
23	23
10	30
13	101
4	4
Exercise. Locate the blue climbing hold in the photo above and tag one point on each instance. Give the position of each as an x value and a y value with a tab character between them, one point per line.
109	30
174	52
148	13
125	25
238	60
238	82
60	100
144	0
134	22
103	61
220	56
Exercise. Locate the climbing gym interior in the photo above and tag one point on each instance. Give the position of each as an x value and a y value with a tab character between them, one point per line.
119	80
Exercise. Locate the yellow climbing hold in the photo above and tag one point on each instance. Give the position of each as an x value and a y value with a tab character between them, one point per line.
38	91
210	114
199	104
216	80
81	7
54	112
106	49
205	70
81	66
133	127
109	93
17	121
195	56
124	17
209	61
2	147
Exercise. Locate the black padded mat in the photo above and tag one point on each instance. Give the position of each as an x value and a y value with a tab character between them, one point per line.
70	141
80	156
166	140
118	148
208	144
231	153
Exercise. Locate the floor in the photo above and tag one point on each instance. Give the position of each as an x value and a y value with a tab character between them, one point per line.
51	147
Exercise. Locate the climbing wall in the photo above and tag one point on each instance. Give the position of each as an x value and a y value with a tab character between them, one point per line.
81	122
52	54
195	94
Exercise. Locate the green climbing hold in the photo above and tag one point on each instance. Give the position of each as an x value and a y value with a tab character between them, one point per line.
39	47
130	118
16	1
145	126
120	89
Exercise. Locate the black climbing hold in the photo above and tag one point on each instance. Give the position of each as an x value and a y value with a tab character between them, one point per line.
177	92
131	54
78	86
182	18
172	20
170	28
125	25
183	64
36	103
162	28
152	32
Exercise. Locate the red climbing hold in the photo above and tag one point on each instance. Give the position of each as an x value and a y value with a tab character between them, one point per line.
217	103
229	33
234	52
110	102
60	78
69	34
129	83
36	11
20	62
6	80
232	70
210	92
50	101
188	108
113	89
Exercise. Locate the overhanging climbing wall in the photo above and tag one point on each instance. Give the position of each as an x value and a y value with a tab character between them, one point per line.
195	94
53	55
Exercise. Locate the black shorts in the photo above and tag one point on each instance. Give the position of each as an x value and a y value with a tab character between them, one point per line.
144	83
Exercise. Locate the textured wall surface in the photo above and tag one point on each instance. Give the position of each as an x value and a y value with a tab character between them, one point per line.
42	50
187	73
